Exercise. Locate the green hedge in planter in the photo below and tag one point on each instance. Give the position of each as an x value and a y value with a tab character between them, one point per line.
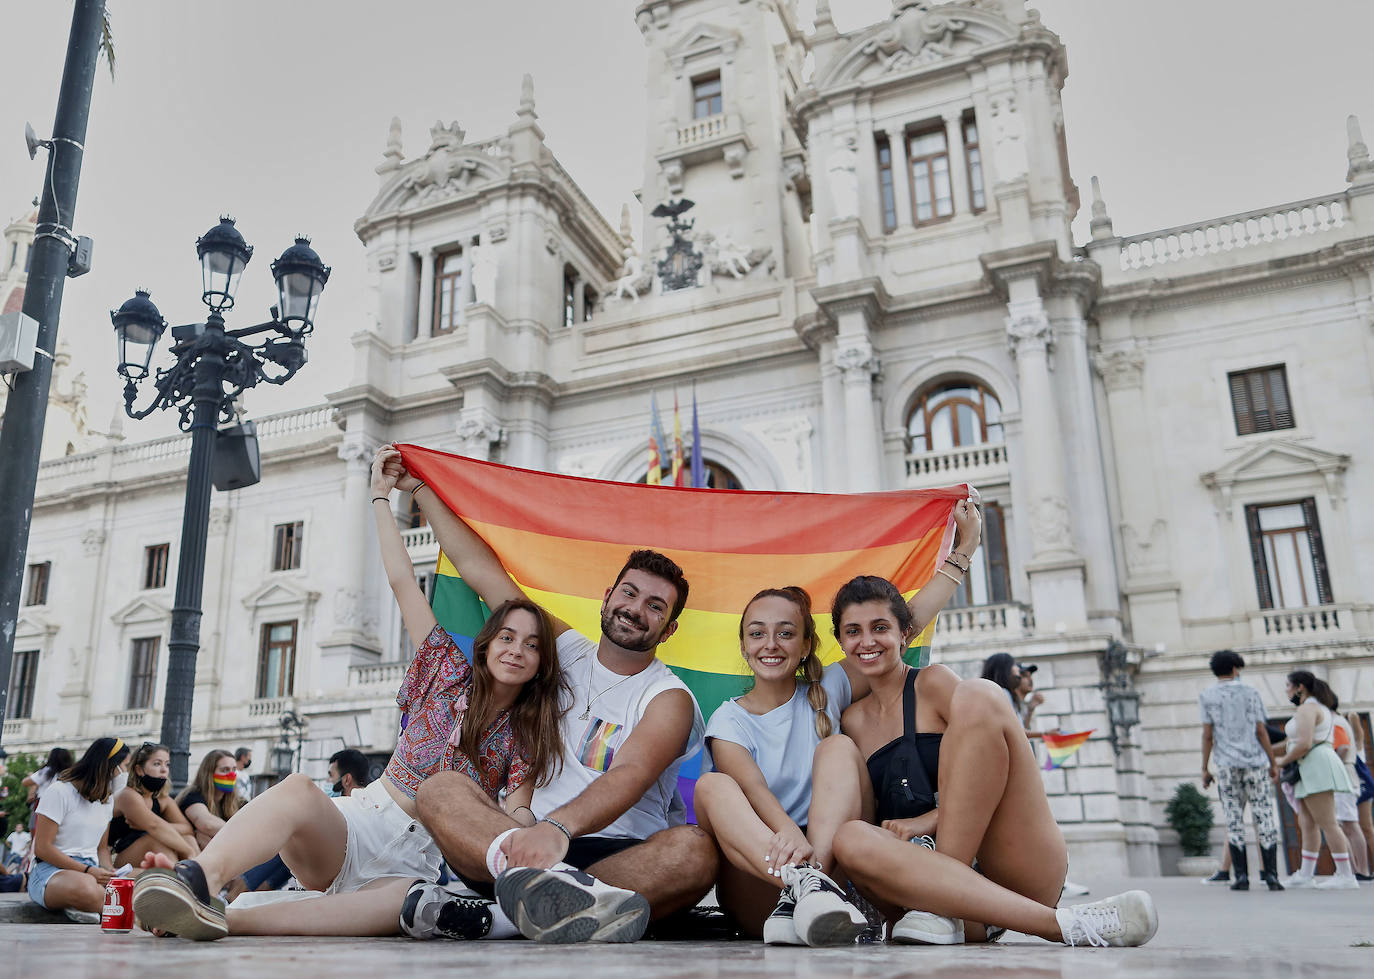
1190	815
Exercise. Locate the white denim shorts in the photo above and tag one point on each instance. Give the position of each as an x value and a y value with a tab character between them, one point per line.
382	841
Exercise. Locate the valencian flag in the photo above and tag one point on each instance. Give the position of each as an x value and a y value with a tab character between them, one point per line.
1059	747
564	540
656	446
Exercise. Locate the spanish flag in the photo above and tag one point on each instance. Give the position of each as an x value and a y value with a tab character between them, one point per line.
564	540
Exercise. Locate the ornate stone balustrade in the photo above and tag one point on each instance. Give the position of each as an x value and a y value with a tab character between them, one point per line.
68	466
1309	217
135	721
418	538
969	463
320	417
377	675
272	707
700	130
1312	622
980	622
15	729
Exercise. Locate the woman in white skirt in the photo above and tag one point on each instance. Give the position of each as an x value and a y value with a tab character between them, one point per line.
1322	775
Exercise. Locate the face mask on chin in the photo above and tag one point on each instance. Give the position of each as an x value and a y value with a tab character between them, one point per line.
153	784
1296	700
336	789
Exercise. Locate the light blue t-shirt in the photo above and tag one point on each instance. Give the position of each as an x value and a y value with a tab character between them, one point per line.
783	740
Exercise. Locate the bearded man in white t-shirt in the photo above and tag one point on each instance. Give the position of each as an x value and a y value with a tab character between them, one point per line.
604	847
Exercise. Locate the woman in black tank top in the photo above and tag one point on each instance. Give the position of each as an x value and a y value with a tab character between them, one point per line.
146	818
960	770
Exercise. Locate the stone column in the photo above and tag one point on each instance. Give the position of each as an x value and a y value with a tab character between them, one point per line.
1055	568
579	301
424	324
353	623
469	297
958	162
901	176
858	366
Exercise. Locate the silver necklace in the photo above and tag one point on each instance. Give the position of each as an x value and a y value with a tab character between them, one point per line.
592	698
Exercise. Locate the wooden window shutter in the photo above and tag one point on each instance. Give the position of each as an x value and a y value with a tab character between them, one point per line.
1278	398
1240	404
1263	418
1266	596
1314	537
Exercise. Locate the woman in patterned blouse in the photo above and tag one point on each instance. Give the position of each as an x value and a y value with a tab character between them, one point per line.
495	719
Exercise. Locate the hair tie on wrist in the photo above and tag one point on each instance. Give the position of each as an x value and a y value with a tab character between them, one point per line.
384	499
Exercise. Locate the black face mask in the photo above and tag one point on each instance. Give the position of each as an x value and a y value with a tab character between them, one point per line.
1296	700
338	787
153	785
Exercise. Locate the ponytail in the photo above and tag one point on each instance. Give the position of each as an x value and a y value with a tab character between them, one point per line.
812	671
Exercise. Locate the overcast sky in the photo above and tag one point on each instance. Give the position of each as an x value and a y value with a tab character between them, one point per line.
277	113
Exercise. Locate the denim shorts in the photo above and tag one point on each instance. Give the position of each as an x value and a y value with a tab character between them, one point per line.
42	873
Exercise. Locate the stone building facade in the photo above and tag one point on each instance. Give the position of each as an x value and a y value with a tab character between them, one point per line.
876	286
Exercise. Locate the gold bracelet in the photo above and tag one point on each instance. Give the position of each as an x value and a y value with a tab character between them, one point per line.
948	575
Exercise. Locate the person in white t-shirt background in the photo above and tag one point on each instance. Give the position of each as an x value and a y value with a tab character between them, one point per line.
71	846
610	849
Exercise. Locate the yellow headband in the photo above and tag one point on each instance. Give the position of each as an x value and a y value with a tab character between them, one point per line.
119	743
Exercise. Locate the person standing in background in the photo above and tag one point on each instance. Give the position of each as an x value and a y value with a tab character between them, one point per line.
1030	697
1235	736
243	786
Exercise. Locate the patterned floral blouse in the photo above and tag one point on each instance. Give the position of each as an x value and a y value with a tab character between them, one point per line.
433	699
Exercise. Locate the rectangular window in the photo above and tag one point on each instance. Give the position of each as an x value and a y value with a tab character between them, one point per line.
706	96
277	660
448	292
975	164
142	673
988	581
932	198
1259	399
1286	548
23	674
37	591
287	544
155	565
885	192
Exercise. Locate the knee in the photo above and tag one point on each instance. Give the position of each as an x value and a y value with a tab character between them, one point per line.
439	793
698	859
853	841
297	783
711	787
836	746
979	701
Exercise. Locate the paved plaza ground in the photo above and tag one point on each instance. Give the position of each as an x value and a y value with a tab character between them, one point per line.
1203	931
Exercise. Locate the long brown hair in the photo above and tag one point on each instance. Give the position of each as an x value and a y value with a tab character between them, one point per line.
538	708
92	775
221	804
140	757
810	669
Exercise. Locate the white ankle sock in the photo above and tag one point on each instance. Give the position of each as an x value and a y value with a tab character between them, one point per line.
1342	862
501	926
1309	863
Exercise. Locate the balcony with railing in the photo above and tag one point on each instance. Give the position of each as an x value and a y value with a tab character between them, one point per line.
270	707
136	721
1311	623
976	464
980	623
387	675
713	137
16	729
420	542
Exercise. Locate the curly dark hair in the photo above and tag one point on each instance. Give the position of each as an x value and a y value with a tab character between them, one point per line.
660	566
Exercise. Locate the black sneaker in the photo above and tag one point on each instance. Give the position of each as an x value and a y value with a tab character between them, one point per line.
178	901
431	911
1220	877
560	907
778	927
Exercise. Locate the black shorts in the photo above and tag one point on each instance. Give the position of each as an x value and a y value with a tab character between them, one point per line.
582	853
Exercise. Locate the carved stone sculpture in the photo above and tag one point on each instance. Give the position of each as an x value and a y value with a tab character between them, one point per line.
1008	138
485	270
634	281
917	35
842	172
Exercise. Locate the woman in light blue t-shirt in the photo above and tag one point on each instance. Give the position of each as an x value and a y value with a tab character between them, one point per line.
757	804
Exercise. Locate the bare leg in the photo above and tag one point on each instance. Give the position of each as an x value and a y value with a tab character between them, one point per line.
673	869
374	909
293	818
69	889
1307	827
1322	806
1355	839
463	821
838	765
141	847
745	887
1366	811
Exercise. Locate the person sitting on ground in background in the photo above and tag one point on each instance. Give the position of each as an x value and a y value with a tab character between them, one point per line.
611	819
493	723
146	817
924	731
59	760
348	770
71	850
1320	776
1235	737
243	785
210	799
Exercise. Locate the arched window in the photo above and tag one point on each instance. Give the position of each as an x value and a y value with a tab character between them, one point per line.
717	476
953	414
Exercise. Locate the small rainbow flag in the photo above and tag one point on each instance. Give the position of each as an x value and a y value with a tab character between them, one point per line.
1062	746
564	540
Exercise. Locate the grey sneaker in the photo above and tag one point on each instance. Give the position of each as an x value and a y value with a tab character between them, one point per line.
1127	919
561	907
430	911
927	928
778	927
823	916
82	917
178	902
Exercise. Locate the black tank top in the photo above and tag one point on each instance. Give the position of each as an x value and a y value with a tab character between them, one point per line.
122	835
906	771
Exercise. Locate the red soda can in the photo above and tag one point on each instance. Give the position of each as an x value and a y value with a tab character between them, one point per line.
118	913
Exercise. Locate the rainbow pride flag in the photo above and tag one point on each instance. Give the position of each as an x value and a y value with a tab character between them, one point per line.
564	539
1061	746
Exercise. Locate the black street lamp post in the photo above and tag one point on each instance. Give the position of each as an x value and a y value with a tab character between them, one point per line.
213	367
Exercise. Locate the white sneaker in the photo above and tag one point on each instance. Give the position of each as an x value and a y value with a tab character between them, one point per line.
430	911
925	928
83	917
1124	920
1300	880
823	915
1338	882
779	928
560	907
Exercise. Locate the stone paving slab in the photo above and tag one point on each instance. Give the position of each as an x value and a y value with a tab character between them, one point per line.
1204	931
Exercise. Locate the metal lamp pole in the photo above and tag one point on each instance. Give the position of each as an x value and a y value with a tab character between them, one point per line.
213	367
